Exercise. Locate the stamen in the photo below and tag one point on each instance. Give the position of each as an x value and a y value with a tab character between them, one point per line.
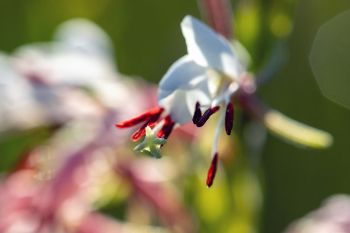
197	114
167	128
139	133
142	130
206	115
229	117
151	114
212	170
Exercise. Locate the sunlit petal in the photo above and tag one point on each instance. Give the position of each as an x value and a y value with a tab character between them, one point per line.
208	48
183	74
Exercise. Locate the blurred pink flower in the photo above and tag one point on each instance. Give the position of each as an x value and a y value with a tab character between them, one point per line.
72	86
332	217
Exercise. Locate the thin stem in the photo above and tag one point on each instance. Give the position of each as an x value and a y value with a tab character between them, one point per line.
218	13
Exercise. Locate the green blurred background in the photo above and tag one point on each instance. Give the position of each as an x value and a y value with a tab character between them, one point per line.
147	39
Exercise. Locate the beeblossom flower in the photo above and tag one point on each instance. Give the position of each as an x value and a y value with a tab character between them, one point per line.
195	87
204	82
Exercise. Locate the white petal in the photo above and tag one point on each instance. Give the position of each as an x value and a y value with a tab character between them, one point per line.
208	48
183	74
181	104
162	94
84	36
214	82
207	86
242	53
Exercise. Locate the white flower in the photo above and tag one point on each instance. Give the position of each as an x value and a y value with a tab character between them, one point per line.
209	74
204	79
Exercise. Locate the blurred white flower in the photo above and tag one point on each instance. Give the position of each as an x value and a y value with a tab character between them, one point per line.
73	83
72	78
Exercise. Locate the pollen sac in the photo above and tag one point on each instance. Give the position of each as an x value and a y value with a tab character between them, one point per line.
197	114
229	117
206	115
212	170
152	114
167	128
138	134
149	118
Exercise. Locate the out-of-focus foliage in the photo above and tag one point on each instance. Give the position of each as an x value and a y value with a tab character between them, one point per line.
259	186
329	56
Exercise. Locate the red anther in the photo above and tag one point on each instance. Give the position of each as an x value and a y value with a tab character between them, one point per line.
197	114
212	170
154	113
139	133
142	131
229	117
206	115
167	128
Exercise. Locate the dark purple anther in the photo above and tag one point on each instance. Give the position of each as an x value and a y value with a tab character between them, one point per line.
206	115
197	114
229	118
167	128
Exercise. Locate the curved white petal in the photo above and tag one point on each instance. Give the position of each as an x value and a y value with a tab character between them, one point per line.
209	49
184	73
205	85
84	36
162	94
